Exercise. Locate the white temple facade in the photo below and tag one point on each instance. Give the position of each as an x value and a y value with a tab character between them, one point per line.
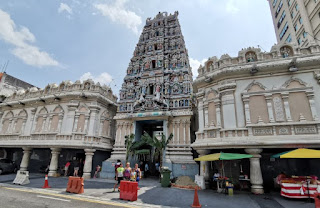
70	120
256	103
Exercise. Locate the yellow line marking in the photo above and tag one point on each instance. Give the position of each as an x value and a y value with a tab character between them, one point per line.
74	198
49	197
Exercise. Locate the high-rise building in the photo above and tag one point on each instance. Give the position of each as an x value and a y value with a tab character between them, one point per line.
296	21
156	94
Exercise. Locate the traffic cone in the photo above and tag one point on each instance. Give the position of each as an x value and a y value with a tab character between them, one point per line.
46	183
196	202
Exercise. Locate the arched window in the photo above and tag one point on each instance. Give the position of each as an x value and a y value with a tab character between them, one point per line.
6	123
56	119
105	124
21	121
41	120
81	119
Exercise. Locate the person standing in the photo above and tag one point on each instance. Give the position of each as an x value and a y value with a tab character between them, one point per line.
137	172
127	172
119	177
146	170
66	168
76	168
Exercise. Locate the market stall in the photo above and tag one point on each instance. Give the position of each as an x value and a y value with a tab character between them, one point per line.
298	186
224	185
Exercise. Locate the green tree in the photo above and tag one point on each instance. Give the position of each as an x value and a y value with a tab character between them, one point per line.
159	144
129	141
134	147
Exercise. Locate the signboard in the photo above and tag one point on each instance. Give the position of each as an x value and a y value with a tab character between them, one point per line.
113	164
183	167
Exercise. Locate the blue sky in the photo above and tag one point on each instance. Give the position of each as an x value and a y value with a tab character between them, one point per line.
51	41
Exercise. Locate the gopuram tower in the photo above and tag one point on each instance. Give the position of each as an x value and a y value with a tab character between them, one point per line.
156	94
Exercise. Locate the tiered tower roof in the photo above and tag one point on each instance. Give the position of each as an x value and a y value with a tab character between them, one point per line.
159	76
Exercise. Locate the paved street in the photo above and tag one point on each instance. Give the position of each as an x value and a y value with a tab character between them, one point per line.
16	198
151	194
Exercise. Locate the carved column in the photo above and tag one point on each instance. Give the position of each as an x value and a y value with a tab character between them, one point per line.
54	162
76	118
270	109
204	165
101	126
255	171
94	111
85	128
246	108
48	128
22	131
218	113
110	128
33	121
310	96
122	135
285	98
178	132
60	122
206	116
9	129
25	159
1	121
13	125
200	112
188	133
174	132
184	123
88	163
44	122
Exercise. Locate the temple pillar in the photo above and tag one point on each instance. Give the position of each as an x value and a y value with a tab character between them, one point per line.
204	165
255	171
54	162
25	159
88	163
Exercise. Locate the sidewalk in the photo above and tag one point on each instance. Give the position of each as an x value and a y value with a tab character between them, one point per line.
151	194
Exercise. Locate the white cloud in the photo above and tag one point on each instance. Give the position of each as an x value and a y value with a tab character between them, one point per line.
103	78
22	38
64	7
117	13
194	63
231	7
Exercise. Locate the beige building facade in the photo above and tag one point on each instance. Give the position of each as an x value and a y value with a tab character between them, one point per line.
258	102
63	122
296	21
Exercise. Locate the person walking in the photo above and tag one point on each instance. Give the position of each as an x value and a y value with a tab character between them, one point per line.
96	173
115	168
66	168
119	177
127	172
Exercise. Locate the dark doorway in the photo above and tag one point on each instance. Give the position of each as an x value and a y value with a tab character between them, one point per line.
153	128
153	64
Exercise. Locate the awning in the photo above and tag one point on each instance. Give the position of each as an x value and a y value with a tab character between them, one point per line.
298	153
223	156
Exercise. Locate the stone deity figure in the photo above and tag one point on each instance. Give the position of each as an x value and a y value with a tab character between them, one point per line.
285	52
